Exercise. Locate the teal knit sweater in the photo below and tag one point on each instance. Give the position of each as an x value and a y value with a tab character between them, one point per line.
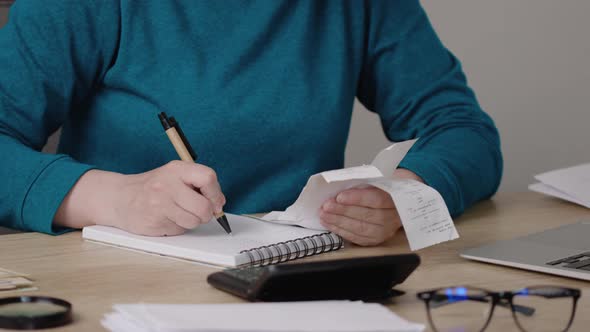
264	91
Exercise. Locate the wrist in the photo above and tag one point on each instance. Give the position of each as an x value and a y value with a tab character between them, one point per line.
91	201
403	173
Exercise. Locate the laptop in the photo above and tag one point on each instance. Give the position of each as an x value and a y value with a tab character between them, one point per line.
563	251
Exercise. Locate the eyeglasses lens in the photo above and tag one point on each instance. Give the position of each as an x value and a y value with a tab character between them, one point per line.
460	309
551	312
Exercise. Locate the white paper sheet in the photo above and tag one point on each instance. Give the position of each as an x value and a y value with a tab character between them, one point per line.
550	191
317	316
423	212
321	187
571	182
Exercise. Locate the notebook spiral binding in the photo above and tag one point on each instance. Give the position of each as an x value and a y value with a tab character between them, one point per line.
283	251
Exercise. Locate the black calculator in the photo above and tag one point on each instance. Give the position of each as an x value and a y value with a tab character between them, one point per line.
365	278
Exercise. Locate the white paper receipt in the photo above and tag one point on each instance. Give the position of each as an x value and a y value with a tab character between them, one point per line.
422	210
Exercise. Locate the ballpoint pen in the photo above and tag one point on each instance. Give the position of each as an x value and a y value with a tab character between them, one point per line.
186	153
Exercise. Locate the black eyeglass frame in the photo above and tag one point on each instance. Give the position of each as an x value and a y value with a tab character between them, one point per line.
503	299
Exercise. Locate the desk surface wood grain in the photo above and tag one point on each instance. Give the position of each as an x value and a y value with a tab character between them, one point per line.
93	277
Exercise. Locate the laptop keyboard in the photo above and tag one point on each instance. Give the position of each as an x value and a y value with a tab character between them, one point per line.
577	262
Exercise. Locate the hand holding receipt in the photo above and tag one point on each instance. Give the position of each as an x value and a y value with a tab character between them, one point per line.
186	153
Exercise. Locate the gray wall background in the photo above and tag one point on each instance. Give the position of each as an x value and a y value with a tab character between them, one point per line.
528	63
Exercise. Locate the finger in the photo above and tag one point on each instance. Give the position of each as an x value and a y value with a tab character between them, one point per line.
357	227
164	227
183	218
350	236
367	197
194	203
371	215
202	178
172	229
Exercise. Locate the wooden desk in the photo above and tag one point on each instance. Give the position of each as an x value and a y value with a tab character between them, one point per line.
93	277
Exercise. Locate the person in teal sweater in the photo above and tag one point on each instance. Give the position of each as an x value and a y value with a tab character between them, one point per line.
264	91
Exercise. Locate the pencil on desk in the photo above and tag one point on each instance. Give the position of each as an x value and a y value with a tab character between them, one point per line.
186	153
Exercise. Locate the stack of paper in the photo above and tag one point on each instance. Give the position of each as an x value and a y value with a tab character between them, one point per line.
319	316
14	281
571	184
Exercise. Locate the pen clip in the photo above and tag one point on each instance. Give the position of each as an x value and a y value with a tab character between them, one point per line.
164	120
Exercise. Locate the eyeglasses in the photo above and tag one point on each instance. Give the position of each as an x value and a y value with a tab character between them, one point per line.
537	308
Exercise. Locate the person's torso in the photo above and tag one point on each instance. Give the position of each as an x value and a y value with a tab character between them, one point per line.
262	89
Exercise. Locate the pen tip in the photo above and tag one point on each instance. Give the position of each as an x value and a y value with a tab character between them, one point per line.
222	219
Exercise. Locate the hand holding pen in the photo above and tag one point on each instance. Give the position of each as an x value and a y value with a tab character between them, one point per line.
165	201
187	154
168	200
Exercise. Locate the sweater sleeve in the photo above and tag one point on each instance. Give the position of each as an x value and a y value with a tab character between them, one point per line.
419	90
53	55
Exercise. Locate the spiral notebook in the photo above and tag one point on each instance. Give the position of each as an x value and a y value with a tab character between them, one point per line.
252	243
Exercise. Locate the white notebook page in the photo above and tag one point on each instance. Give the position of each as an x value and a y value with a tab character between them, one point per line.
207	243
